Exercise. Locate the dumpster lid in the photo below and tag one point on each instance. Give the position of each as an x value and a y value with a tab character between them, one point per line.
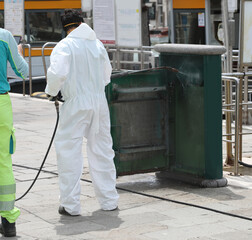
190	49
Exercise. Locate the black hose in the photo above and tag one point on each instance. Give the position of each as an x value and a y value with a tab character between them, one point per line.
48	150
185	203
244	164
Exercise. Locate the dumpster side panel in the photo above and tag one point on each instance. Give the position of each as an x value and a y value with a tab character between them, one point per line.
190	130
213	117
198	122
189	113
139	112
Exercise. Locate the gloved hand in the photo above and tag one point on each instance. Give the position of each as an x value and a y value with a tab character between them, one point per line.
51	98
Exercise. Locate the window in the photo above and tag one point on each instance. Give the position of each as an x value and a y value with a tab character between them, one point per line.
1	19
215	22
43	26
187	27
152	11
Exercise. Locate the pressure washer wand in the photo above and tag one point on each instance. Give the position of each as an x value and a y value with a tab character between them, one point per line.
56	103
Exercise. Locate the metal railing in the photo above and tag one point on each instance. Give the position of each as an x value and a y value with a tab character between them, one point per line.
237	105
116	61
30	68
226	108
30	77
118	56
43	54
30	65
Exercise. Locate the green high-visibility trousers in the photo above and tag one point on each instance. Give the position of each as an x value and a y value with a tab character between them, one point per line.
7	147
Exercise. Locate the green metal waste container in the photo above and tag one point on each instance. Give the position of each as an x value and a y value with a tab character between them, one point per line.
170	119
140	112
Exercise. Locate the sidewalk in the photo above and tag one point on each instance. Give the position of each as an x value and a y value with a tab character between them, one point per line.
139	217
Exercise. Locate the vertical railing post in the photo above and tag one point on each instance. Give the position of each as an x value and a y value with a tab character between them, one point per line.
30	68
245	118
43	55
142	58
240	117
118	58
237	123
23	79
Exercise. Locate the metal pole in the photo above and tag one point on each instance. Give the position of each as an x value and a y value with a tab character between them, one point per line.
23	79
226	35
114	60
171	27
245	118
142	58
228	85
118	58
238	74
208	24
30	70
43	55
241	69
240	118
237	123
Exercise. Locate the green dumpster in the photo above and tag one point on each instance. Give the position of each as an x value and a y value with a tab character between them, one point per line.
141	117
169	120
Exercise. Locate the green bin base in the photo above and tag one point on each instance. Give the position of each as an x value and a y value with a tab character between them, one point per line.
192	179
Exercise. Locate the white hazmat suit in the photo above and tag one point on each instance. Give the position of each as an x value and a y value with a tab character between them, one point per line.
80	69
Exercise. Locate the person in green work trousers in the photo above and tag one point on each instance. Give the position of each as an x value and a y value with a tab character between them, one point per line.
12	53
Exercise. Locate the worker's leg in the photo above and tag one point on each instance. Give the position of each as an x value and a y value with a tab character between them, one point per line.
7	181
101	165
68	144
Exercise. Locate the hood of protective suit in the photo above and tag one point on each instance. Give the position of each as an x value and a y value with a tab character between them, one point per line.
83	31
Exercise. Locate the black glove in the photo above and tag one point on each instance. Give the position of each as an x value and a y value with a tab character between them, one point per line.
51	98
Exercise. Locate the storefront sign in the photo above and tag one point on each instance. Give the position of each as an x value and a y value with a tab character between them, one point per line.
14	16
246	34
201	19
128	23
104	20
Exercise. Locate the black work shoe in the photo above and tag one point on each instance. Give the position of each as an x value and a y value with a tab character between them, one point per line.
7	229
63	211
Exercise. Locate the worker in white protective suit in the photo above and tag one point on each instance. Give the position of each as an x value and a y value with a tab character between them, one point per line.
80	69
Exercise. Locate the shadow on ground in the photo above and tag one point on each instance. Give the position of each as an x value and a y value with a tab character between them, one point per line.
172	188
99	221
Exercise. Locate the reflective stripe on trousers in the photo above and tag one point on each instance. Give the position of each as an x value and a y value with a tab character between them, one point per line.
7	197
7	181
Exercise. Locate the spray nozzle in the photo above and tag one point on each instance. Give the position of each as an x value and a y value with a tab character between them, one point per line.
56	103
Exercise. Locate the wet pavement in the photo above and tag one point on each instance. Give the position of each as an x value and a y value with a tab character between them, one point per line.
149	208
